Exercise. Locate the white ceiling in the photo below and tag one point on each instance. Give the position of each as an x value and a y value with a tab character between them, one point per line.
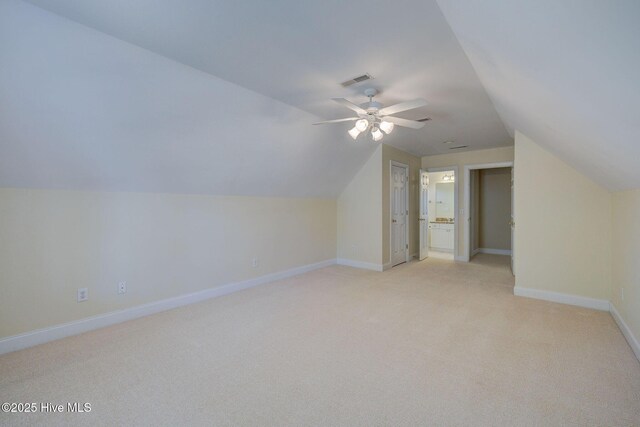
565	73
218	97
82	110
298	52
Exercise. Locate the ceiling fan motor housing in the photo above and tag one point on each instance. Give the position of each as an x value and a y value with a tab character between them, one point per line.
372	107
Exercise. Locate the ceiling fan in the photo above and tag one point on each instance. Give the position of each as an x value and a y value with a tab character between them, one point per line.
372	115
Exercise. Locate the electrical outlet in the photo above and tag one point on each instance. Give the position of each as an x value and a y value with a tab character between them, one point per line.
255	262
122	287
83	294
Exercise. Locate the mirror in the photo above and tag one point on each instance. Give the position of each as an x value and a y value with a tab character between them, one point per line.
444	199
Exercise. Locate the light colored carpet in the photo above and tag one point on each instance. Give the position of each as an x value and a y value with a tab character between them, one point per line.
427	343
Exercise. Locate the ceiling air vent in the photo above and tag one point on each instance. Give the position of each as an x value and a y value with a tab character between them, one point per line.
358	79
426	119
458	147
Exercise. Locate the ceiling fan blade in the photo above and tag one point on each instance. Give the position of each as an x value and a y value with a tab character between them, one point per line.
403	106
348	119
404	122
350	105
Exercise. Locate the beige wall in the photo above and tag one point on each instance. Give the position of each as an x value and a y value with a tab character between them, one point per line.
563	226
163	245
360	214
626	257
393	154
494	231
474	209
493	155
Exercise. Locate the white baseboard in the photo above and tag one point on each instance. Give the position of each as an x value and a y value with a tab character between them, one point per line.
462	258
475	252
493	251
626	331
388	265
360	264
40	336
443	250
597	304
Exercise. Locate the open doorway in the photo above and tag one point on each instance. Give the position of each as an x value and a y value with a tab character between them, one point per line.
489	200
438	207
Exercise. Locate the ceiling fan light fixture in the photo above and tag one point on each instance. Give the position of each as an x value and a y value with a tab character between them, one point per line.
373	117
386	127
376	134
362	125
354	132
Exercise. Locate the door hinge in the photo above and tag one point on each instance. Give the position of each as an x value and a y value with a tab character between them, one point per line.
407	246
407	212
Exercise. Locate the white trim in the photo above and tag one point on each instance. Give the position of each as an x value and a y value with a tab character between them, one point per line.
443	250
467	198
475	252
626	331
406	208
360	264
492	251
455	208
41	336
387	266
597	304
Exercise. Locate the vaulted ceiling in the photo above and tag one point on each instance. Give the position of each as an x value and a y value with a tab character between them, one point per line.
299	52
218	97
565	73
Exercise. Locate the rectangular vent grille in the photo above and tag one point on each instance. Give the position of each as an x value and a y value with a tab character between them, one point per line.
358	79
458	147
426	119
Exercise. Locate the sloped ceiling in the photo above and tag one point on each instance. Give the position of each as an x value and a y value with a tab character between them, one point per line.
298	52
565	73
82	110
218	97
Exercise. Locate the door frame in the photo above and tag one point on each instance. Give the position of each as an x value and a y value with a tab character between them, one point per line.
456	213
392	163
467	200
420	224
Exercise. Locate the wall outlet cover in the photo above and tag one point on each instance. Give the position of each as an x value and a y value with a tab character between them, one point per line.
83	294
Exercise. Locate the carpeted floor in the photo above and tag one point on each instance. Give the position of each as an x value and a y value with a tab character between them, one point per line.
427	343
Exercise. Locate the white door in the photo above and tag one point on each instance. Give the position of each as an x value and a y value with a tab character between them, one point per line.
399	214
513	228
424	214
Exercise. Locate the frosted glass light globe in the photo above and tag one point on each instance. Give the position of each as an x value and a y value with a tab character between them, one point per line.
377	135
387	127
362	125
